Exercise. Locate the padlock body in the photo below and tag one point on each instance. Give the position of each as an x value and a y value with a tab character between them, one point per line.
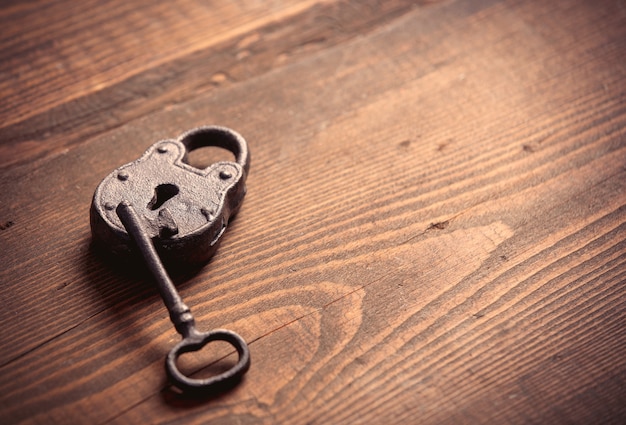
184	210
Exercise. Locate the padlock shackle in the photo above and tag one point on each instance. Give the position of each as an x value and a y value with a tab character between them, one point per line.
220	137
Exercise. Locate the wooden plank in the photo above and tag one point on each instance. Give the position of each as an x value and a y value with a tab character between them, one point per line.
434	231
163	67
57	52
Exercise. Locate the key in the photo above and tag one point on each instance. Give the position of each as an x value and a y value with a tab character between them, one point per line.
167	211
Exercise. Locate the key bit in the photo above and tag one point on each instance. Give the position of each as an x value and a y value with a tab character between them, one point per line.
166	223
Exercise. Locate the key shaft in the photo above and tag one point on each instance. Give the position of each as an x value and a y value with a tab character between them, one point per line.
180	314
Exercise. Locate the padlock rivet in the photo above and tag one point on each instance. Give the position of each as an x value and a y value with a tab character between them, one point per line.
109	206
162	149
122	175
225	175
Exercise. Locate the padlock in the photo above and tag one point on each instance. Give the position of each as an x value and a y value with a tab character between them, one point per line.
184	210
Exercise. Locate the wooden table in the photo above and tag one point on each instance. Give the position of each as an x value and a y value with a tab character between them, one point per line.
435	225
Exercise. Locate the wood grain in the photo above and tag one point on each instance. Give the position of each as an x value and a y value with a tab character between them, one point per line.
242	43
434	230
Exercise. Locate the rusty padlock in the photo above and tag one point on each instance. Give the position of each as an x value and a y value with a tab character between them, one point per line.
185	210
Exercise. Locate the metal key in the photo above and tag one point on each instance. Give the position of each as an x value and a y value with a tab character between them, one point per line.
164	209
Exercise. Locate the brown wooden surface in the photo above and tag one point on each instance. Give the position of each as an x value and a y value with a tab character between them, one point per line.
435	225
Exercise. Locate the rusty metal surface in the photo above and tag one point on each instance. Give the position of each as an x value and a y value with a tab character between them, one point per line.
165	210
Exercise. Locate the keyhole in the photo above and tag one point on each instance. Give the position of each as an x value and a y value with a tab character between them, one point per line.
162	194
